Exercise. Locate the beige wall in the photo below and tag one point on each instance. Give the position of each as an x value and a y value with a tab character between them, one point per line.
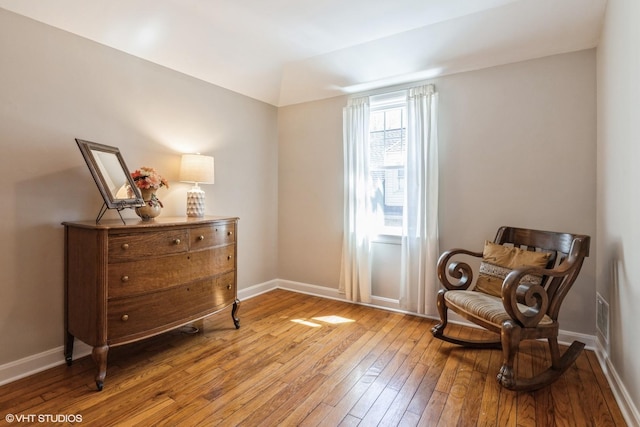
310	195
618	250
55	87
517	147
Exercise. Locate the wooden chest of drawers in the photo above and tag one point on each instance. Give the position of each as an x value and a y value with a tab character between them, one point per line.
128	282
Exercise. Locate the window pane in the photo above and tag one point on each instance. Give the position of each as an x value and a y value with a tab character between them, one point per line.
394	119
376	121
387	150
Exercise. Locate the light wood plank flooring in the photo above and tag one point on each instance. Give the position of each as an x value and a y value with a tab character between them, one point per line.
293	363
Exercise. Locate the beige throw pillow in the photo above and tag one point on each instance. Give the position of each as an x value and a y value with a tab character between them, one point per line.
498	261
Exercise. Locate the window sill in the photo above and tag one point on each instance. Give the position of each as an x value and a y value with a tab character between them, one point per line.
389	239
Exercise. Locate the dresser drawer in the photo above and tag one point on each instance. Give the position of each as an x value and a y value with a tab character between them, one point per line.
141	314
145	245
212	261
145	275
134	277
212	235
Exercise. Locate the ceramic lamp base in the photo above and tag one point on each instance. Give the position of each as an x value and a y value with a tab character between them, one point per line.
195	202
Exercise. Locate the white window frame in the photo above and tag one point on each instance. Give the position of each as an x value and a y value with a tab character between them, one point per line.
387	101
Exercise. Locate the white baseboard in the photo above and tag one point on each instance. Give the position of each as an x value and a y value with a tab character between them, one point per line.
30	365
258	289
627	406
332	293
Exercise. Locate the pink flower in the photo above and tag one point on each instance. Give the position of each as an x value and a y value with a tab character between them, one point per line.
147	177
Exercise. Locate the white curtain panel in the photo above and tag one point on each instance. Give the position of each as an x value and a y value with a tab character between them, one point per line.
420	249
355	277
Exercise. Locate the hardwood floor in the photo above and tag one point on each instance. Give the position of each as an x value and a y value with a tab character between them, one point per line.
290	365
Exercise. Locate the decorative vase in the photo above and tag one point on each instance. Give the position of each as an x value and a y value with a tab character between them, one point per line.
152	206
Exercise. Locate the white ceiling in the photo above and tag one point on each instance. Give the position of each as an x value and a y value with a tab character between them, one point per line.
289	51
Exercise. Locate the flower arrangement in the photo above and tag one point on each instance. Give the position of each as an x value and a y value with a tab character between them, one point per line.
147	178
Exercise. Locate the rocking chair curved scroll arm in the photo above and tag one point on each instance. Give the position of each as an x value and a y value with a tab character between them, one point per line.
525	309
456	269
538	300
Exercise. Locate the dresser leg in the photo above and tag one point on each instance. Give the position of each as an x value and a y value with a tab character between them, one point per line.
68	348
99	355
234	312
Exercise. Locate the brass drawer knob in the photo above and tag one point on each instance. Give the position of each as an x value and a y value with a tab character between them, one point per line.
125	246
176	242
125	278
201	237
230	233
228	257
125	317
229	286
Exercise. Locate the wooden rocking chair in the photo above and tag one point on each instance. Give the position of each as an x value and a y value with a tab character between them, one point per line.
523	278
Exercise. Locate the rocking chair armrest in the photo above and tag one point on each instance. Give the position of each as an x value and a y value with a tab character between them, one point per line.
534	296
456	269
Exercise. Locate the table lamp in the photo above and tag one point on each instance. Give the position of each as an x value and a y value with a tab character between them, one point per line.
196	169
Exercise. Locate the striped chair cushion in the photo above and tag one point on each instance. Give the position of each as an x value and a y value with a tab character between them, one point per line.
483	306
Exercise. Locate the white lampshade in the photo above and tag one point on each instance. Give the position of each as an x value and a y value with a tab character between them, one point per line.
197	169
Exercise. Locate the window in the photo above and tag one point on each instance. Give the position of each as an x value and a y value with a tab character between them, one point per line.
391	159
387	154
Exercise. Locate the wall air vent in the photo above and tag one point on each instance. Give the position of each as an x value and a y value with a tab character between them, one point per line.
602	317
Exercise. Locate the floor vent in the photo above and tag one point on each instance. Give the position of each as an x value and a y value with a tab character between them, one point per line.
602	317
